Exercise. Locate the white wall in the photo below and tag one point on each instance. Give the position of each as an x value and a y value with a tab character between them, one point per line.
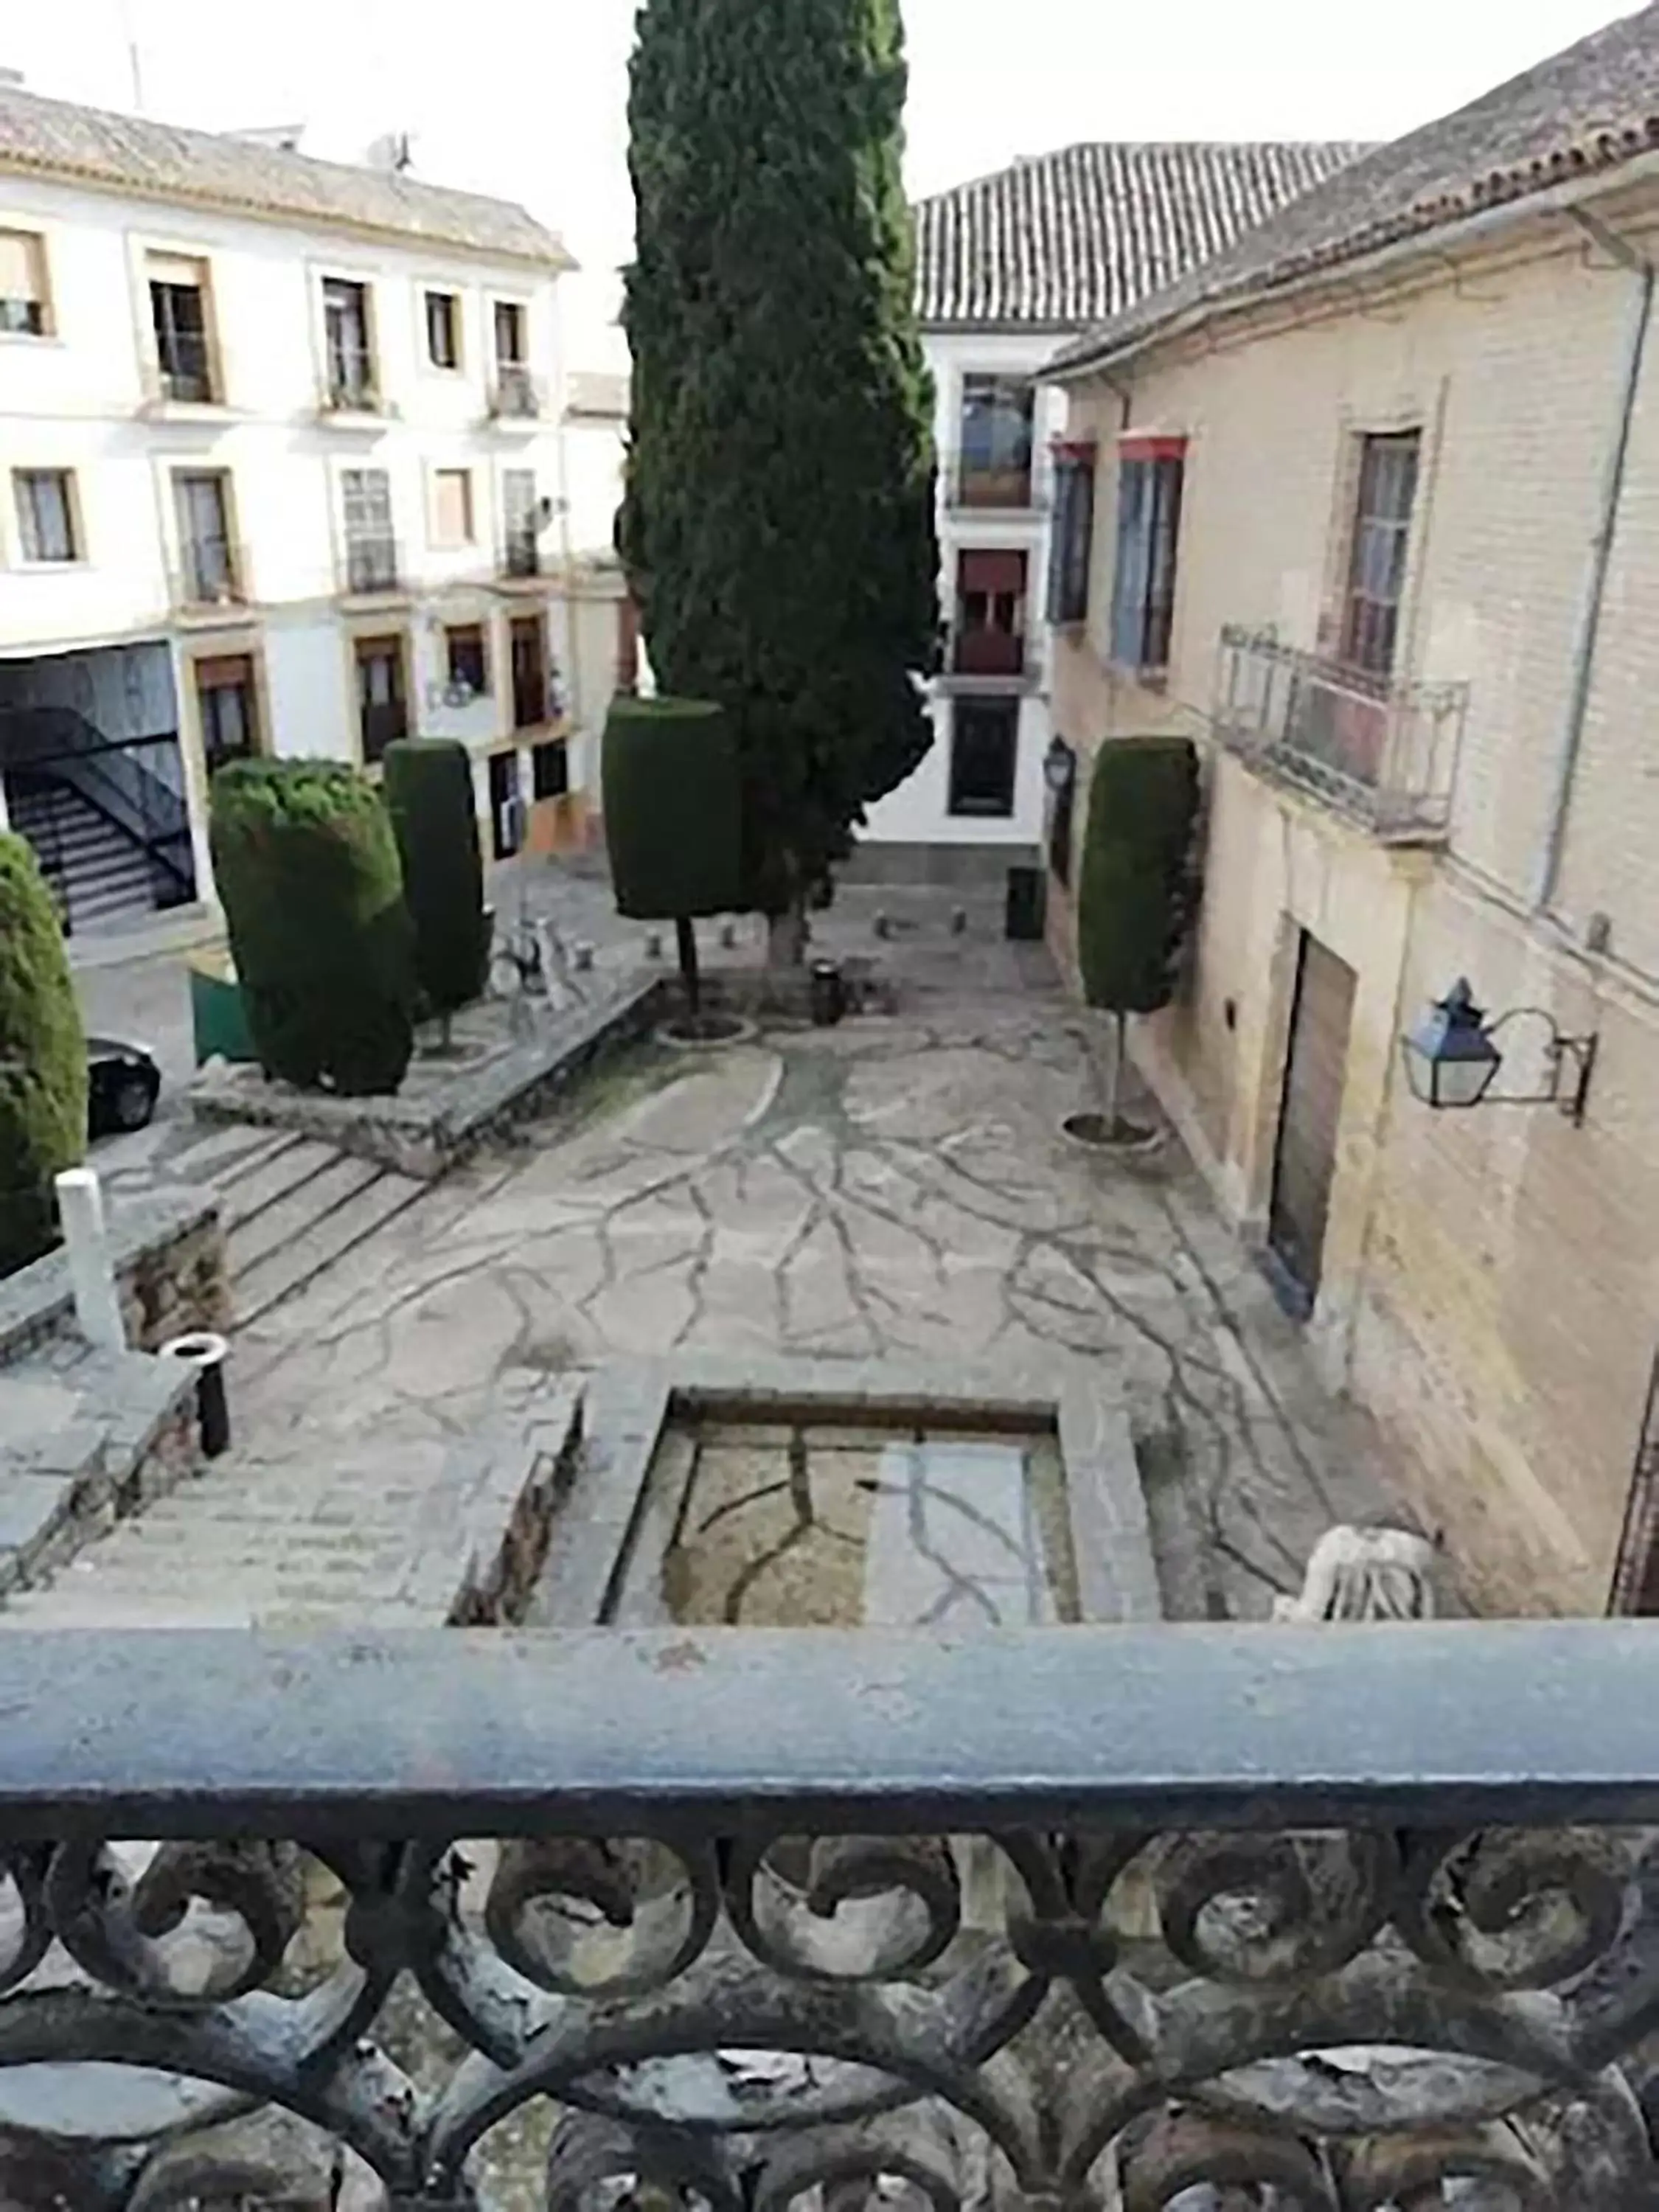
918	811
78	400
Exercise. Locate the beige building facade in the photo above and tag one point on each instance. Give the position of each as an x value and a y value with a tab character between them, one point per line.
1375	522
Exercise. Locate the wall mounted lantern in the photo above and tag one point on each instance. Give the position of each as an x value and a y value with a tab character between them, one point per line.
1058	767
1453	1058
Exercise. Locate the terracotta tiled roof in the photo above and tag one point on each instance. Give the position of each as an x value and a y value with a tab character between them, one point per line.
1065	239
1592	108
52	137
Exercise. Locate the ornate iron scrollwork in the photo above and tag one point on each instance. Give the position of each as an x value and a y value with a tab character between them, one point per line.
1359	2021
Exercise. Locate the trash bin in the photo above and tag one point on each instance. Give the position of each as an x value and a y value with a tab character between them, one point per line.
828	994
1027	900
206	1353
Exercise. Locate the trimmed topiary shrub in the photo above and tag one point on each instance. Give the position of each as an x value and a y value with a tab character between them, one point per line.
43	1060
308	873
672	816
1138	885
429	794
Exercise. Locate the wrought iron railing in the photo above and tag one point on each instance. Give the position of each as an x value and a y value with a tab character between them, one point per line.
1005	487
516	395
1384	753
371	562
1328	1920
210	572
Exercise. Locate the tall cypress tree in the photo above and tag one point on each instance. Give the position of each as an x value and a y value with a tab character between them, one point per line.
778	529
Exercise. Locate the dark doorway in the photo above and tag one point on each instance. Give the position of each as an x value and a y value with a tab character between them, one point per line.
1636	1577
506	813
529	658
1304	1160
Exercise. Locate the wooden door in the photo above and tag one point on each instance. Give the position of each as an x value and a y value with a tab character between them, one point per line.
1304	1162
1636	1579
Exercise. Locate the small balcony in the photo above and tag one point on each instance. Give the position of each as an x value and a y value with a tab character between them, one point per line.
516	397
987	660
1383	754
209	579
1125	1915
184	380
372	567
521	558
352	388
973	486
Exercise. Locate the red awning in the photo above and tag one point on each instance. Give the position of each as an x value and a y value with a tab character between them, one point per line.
1150	446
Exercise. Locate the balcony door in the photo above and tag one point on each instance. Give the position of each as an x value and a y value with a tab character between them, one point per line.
529	662
990	625
382	694
371	544
207	557
1304	1160
997	416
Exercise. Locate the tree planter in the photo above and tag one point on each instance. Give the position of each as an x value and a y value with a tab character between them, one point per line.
705	1032
1098	1132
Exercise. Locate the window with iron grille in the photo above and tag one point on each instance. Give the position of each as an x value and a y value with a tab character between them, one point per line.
549	769
1376	559
46	514
1070	546
179	316
371	544
1150	474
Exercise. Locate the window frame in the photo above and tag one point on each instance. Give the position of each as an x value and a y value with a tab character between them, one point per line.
441	475
514	304
1071	538
36	248
480	630
521	552
1004	706
369	644
73	519
233	587
545	749
1370	619
1005	481
520	625
254	718
353	542
1152	471
369	398
155	255
452	297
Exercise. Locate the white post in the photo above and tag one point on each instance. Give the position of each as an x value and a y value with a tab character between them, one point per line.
91	1272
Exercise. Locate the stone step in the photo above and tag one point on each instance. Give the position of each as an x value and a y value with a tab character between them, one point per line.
329	1182
328	1237
281	1167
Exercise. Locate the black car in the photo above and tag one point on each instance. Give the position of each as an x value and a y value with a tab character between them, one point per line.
123	1085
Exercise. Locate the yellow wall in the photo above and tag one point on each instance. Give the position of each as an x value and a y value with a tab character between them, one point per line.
1492	1280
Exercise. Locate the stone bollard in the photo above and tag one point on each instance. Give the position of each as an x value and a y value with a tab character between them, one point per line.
581	957
92	1270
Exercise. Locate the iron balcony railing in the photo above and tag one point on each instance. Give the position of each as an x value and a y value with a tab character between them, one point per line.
371	562
1384	753
1322	1919
521	555
517	395
210	572
988	660
350	387
998	486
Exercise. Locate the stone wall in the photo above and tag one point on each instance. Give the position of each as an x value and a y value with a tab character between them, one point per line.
168	1251
1491	1280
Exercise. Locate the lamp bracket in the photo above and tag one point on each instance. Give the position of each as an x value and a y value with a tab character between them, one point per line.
1570	1060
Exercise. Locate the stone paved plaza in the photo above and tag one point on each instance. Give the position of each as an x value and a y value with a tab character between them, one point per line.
894	1188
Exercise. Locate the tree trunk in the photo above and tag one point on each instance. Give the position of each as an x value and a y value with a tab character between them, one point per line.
1114	1088
786	937
687	937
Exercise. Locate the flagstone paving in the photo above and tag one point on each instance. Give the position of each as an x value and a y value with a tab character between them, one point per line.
896	1187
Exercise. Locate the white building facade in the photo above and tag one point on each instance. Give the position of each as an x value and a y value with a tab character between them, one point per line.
1008	267
281	471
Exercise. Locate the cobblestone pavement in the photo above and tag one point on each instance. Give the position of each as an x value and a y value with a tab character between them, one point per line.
897	1185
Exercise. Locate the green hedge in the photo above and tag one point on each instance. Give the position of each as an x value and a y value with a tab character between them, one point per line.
43	1060
307	870
672	809
428	793
1138	885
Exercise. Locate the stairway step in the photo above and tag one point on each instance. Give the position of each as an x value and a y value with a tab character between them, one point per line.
329	1182
291	1266
273	1176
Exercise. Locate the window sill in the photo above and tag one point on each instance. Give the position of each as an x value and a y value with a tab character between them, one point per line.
1148	678
77	565
32	338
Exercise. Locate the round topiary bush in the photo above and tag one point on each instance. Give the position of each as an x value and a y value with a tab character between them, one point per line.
43	1060
429	794
307	870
